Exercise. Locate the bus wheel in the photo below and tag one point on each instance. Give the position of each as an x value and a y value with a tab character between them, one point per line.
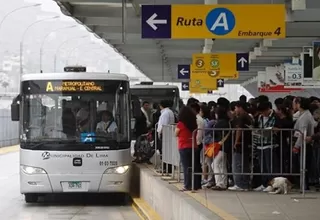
126	198
30	198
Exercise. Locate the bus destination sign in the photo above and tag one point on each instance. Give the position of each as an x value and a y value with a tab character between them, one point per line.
73	86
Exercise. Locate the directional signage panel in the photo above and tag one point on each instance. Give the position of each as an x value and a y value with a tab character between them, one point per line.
242	62
185	86
220	83
156	21
202	86
183	71
210	67
242	21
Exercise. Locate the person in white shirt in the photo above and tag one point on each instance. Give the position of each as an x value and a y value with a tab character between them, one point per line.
166	117
107	123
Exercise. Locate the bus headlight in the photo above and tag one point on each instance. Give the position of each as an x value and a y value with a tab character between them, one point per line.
32	170
117	170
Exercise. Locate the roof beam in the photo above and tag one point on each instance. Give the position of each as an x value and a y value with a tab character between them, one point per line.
100	11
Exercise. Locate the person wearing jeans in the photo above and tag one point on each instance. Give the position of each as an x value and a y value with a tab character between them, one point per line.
267	144
186	125
241	142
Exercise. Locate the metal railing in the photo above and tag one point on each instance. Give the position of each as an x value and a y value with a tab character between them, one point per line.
170	153
262	141
255	162
9	130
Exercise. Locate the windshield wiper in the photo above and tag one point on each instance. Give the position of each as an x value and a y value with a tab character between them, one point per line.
40	142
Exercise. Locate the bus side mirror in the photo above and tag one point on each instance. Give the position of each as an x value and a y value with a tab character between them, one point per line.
15	109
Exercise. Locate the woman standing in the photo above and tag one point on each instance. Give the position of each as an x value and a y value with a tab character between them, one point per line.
186	125
223	138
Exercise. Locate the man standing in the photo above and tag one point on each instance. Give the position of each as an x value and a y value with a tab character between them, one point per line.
242	139
166	118
143	121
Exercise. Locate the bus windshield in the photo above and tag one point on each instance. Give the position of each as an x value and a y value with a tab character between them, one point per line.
75	111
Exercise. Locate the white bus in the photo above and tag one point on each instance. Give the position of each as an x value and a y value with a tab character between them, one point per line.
156	93
74	133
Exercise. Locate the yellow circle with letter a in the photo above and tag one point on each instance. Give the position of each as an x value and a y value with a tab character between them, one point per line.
199	63
215	63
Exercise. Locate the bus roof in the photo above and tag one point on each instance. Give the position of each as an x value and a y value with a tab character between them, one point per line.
153	87
74	76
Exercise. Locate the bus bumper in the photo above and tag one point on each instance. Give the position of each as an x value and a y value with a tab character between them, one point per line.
80	183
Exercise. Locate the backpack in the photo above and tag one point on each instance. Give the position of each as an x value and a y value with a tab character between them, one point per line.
143	148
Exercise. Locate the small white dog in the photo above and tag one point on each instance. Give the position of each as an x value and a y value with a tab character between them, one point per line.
280	185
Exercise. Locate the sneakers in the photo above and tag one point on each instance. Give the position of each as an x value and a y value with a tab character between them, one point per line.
208	185
236	188
204	182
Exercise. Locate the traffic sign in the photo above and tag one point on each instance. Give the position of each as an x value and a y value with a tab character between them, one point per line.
242	21
185	86
242	62
183	71
220	83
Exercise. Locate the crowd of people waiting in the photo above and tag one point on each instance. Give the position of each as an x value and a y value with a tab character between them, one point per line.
245	137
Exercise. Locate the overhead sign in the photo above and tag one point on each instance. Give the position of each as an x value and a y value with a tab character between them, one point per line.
185	86
183	71
220	83
210	67
201	86
244	21
242	61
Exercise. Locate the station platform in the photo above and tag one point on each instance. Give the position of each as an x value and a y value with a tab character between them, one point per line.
170	203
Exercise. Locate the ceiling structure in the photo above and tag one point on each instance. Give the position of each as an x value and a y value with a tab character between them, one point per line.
158	59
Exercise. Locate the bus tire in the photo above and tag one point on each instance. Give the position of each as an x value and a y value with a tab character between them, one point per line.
31	198
126	198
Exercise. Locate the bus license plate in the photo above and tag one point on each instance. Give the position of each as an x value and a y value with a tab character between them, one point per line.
74	185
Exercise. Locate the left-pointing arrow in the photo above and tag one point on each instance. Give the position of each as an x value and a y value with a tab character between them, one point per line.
185	86
152	21
183	71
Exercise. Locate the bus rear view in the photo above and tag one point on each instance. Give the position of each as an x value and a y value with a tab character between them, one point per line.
75	133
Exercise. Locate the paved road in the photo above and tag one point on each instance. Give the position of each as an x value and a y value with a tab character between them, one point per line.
81	207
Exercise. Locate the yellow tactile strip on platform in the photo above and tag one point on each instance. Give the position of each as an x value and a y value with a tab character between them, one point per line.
209	205
146	212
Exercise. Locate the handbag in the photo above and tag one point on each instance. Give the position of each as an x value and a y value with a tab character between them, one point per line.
212	149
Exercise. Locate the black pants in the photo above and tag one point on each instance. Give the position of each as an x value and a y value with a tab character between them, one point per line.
186	160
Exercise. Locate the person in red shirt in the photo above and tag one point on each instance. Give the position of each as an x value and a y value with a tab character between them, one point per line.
187	123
